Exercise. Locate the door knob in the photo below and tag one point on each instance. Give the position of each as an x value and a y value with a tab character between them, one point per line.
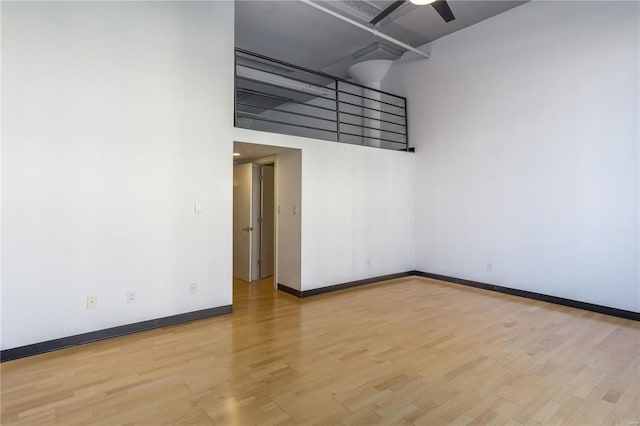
248	228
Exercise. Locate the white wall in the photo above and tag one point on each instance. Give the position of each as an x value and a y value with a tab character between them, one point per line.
289	213
357	209
116	119
526	134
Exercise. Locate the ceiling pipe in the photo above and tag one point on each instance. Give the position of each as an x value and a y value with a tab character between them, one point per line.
372	30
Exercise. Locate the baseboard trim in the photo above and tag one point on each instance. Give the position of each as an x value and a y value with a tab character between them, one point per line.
108	333
621	313
352	284
289	290
343	286
93	336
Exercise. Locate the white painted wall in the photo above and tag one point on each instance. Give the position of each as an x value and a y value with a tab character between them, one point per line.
116	119
357	205
526	131
289	213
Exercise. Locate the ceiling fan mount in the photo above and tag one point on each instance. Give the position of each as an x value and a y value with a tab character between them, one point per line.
440	6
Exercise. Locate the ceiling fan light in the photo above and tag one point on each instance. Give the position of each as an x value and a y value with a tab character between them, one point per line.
421	2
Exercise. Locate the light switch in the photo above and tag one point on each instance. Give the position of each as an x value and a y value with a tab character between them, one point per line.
197	208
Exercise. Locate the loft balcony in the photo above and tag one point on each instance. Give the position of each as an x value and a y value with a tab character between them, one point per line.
274	96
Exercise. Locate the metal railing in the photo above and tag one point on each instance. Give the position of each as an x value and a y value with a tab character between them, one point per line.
278	97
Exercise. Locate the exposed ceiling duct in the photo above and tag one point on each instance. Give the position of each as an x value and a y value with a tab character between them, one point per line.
370	73
372	30
280	81
294	32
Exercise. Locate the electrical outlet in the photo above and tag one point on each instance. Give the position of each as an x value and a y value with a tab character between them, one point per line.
489	266
92	302
368	262
131	297
193	288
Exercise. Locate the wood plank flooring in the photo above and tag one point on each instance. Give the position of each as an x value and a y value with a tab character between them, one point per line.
407	351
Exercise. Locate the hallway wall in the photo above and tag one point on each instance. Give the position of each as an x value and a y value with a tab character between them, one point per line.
289	216
357	209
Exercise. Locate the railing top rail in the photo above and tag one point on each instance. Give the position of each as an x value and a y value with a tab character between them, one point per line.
318	73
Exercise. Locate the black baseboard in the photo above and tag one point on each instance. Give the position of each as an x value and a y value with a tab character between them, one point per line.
79	339
621	313
535	296
352	284
343	286
107	333
289	290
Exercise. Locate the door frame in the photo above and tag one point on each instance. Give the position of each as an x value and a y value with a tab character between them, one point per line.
264	170
273	159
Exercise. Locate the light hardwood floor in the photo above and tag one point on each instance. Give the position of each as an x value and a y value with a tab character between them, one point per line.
408	351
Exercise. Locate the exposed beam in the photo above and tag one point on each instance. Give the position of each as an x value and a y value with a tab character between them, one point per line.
372	30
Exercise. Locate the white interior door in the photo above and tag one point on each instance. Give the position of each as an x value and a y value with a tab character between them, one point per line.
242	223
267	210
255	223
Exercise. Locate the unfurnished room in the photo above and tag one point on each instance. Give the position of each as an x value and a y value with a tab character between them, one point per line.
338	212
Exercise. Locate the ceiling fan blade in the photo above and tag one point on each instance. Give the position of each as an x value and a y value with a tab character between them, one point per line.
444	10
386	12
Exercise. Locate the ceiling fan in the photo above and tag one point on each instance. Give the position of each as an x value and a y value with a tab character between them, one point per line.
440	6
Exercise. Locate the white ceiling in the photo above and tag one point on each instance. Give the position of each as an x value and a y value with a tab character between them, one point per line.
250	151
294	32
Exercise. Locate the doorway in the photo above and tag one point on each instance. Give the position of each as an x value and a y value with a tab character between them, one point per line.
266	215
254	220
244	221
267	221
